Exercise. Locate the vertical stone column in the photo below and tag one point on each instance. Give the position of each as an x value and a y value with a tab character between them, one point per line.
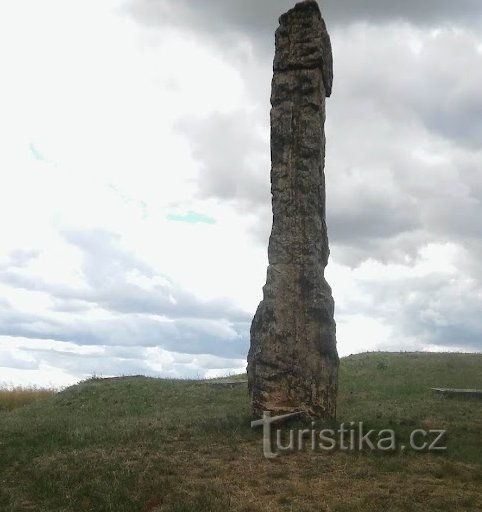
293	361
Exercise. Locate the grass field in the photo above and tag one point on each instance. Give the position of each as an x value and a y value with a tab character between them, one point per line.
149	445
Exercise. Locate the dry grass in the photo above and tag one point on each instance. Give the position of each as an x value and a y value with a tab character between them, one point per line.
14	397
337	482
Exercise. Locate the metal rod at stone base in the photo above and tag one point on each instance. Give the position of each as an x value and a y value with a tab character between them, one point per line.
293	361
451	392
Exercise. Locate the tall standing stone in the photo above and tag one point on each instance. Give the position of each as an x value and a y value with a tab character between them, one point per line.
293	361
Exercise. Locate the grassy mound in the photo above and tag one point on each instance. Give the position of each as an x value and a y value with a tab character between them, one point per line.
150	445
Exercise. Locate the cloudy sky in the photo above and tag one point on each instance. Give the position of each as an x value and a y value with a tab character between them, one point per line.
134	194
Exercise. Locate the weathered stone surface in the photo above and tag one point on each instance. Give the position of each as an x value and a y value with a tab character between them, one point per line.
293	361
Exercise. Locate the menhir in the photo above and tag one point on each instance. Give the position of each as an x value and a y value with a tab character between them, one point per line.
293	361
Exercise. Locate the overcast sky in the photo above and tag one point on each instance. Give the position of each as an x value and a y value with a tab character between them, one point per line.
134	198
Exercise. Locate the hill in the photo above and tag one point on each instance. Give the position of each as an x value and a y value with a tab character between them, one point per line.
149	445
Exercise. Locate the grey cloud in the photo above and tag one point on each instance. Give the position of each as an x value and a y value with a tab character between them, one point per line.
84	365
231	148
119	360
104	270
63	305
402	152
105	267
428	12
15	323
20	258
162	316
220	338
104	258
471	257
12	361
438	309
460	120
211	16
395	181
228	19
400	248
208	362
361	219
391	101
403	170
428	84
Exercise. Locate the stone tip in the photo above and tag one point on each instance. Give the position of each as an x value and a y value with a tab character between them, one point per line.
303	42
306	5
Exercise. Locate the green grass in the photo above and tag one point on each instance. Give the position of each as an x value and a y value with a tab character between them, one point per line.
150	445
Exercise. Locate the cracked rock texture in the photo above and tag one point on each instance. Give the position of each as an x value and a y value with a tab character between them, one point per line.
293	361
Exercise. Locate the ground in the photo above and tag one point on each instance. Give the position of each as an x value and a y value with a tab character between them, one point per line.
151	445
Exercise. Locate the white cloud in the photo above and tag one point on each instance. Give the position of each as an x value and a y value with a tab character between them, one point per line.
111	129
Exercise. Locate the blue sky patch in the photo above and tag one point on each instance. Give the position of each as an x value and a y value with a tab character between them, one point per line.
36	153
192	218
